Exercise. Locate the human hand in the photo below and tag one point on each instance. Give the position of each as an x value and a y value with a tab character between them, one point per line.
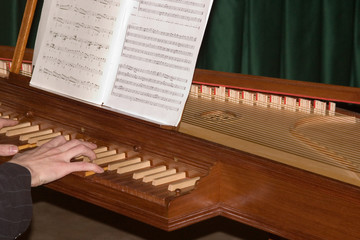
7	149
51	161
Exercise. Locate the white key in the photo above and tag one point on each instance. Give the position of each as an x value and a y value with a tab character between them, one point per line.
143	173
133	167
168	179
116	165
151	177
183	183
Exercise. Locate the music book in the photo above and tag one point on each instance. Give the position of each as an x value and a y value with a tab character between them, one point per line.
133	56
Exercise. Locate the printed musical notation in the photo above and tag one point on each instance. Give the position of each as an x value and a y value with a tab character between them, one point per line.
156	55
76	46
186	2
143	44
152	61
176	8
78	41
158	47
145	86
156	79
162	33
76	52
71	65
76	82
95	14
161	75
159	40
131	98
137	92
95	29
179	12
149	87
89	13
160	13
109	3
106	3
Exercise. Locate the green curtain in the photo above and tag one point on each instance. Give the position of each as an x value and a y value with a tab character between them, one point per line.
307	40
11	13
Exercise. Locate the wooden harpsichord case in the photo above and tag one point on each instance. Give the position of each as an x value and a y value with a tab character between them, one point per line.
271	153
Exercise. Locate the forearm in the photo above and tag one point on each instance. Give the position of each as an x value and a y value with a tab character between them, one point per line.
15	200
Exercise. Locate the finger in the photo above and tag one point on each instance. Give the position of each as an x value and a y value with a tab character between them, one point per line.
8	150
75	142
84	167
55	142
7	122
62	170
52	144
78	150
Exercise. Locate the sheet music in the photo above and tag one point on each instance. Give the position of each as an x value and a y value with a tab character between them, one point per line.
75	50
158	57
134	56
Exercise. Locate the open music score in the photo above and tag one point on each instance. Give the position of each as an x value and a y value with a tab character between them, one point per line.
135	57
115	160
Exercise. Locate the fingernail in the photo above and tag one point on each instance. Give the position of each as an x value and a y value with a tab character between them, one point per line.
13	149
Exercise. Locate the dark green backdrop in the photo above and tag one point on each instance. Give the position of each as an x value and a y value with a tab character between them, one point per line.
308	40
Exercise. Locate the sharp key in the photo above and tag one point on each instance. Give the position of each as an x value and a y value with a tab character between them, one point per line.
101	149
133	167
10	115
143	173
24	130
188	182
168	179
123	163
101	155
151	177
7	114
43	137
105	154
21	125
109	159
26	137
27	146
90	173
